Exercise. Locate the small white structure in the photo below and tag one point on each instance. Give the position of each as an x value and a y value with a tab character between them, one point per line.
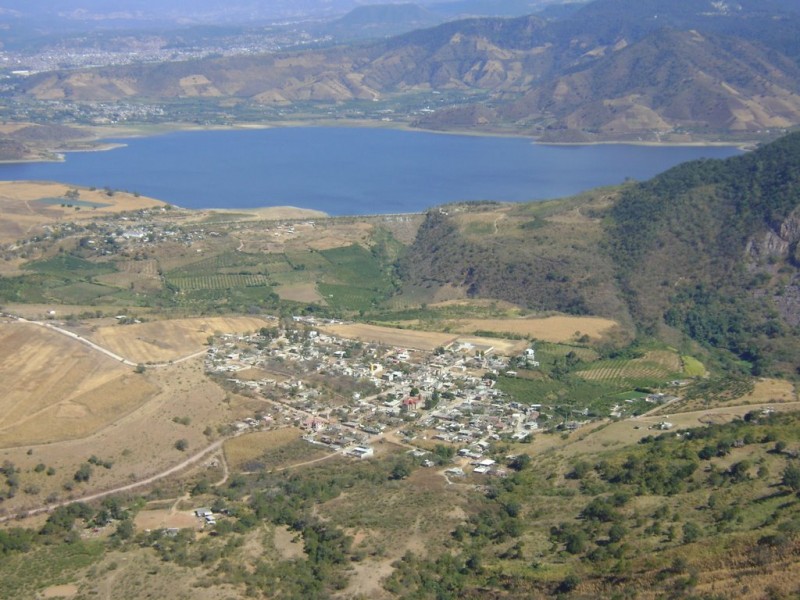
362	452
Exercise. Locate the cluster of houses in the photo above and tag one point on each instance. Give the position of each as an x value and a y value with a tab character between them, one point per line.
447	395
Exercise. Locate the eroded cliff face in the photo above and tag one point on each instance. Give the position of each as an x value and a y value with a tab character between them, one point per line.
775	254
776	243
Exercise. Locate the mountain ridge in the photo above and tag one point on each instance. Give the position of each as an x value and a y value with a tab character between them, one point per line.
607	78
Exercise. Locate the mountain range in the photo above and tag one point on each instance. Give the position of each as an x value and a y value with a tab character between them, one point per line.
614	69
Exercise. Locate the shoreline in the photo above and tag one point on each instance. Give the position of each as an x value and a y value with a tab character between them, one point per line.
101	133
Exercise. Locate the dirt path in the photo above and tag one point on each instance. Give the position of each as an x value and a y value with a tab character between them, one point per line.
197	456
106	351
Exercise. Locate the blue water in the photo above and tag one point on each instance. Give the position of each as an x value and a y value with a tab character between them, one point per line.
351	171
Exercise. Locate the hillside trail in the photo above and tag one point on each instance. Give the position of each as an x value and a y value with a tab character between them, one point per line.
196	457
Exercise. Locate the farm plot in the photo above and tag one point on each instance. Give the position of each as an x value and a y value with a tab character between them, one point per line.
218	281
161	341
653	368
347	297
225	261
53	387
406	338
137	275
551	350
300	292
560	328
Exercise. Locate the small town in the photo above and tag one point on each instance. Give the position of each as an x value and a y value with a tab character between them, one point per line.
345	393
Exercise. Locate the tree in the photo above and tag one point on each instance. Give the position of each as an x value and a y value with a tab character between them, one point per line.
791	477
691	532
181	445
400	471
520	462
83	473
617	532
575	542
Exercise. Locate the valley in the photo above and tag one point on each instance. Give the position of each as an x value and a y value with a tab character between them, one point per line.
372	386
588	396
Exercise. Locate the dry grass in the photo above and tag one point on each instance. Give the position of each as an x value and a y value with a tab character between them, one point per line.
54	388
244	448
162	341
82	416
769	390
301	292
287	544
549	329
406	338
147	520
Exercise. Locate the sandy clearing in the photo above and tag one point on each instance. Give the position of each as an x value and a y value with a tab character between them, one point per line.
275	213
288	544
68	590
148	520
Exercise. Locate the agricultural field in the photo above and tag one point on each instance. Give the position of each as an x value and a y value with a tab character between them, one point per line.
575	381
561	328
652	369
406	338
53	388
162	341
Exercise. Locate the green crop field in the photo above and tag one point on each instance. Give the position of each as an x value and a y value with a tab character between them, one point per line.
345	297
69	266
354	265
219	281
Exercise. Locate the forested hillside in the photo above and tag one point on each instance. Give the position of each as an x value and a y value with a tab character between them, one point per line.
709	248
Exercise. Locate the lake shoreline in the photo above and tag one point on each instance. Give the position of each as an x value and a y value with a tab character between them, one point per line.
101	133
347	170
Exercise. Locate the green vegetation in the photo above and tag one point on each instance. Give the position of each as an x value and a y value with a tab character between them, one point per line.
668	514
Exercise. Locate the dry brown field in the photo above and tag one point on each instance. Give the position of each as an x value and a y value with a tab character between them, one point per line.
147	520
549	329
23	210
139	441
419	340
54	388
406	338
301	292
162	341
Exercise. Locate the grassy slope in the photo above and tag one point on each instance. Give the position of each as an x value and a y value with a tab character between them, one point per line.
685	516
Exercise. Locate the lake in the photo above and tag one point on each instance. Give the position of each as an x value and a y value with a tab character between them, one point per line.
352	171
